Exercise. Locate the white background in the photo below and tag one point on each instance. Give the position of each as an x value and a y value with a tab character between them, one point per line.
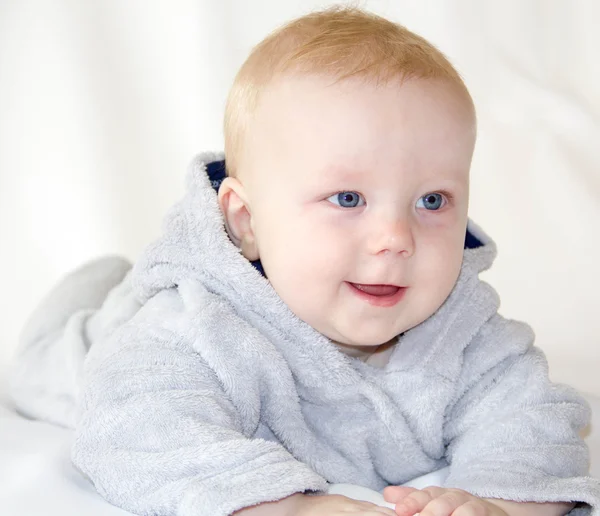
103	104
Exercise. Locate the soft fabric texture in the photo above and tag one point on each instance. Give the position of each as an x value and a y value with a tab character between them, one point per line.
202	393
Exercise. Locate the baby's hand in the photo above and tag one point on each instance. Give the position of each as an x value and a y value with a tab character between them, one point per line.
338	505
318	505
437	501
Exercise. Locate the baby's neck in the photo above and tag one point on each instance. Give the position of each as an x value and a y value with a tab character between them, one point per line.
374	355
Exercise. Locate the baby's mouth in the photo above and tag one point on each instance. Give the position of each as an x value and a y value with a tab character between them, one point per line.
377	290
378	295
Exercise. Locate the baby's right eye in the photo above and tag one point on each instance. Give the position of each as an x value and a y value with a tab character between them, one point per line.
347	199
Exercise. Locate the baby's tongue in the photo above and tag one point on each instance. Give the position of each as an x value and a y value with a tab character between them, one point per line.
377	290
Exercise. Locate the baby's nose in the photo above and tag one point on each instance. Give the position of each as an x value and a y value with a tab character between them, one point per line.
394	237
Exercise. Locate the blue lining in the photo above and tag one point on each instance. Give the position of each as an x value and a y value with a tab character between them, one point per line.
217	173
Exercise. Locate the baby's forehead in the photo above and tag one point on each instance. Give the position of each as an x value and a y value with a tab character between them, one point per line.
352	129
296	92
323	173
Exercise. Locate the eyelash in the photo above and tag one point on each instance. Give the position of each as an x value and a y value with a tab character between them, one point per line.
449	197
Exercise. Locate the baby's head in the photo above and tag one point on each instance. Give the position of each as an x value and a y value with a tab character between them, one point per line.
348	142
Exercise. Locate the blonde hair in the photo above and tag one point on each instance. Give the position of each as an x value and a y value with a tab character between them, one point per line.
339	42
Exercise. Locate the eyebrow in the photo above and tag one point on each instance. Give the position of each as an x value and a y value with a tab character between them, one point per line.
342	173
349	175
448	182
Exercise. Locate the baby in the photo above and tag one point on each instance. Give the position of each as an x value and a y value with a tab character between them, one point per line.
313	313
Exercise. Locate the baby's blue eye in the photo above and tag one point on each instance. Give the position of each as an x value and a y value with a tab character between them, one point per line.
347	199
431	201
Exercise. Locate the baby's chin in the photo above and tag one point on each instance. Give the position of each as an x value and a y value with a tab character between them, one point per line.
365	337
365	343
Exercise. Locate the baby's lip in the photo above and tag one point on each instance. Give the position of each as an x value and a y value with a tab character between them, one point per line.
380	295
378	290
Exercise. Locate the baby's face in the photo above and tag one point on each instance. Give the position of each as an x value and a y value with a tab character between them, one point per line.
358	197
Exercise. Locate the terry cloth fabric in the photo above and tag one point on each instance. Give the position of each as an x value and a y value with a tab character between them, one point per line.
203	394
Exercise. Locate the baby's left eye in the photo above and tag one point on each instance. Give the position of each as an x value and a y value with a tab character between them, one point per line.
431	201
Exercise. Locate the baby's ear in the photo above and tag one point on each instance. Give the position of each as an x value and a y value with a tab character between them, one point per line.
238	217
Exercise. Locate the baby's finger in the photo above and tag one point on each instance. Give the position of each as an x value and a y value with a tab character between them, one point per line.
446	504
472	508
413	503
393	494
435	491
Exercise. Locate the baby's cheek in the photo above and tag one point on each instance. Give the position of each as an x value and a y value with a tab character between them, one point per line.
434	283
